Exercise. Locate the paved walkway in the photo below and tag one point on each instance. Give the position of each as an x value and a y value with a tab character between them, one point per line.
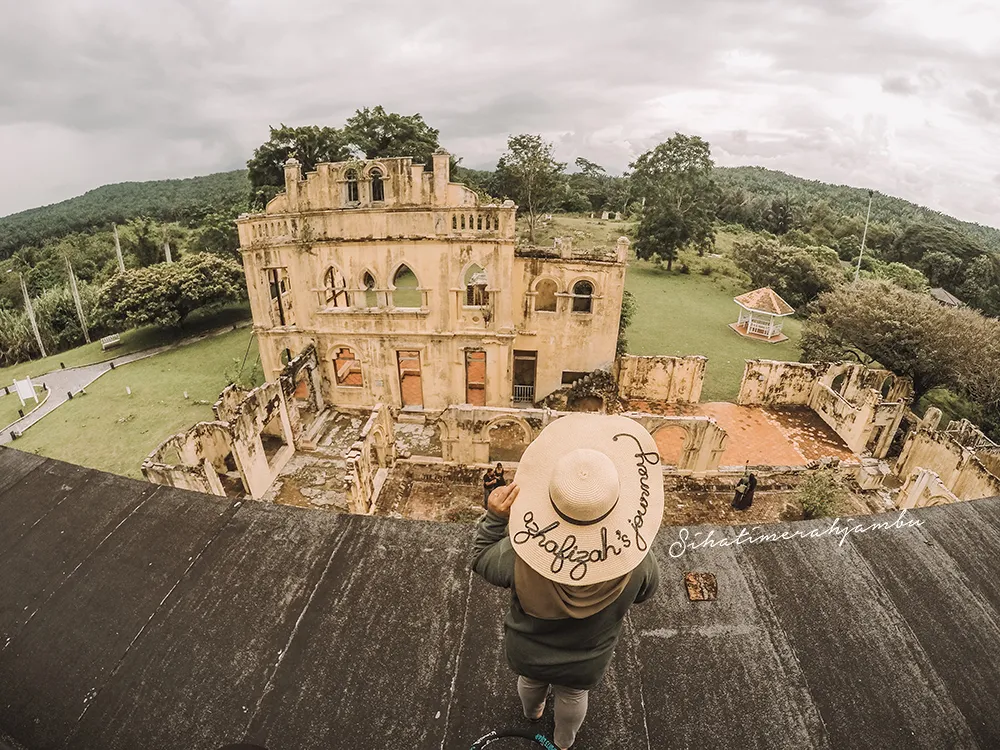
73	379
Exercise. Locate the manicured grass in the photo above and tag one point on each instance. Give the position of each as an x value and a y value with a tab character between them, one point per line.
110	430
10	404
681	314
135	340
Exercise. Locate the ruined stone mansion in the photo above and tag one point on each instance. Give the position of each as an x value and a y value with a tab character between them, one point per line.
407	339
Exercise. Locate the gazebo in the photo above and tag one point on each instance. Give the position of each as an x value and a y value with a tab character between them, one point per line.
761	312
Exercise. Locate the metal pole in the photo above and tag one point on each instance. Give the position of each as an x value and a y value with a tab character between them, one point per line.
31	314
118	249
864	235
76	299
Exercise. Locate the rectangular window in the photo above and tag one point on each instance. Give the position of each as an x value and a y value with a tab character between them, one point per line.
281	297
569	377
475	378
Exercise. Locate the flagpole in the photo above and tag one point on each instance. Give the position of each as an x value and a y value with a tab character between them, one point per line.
864	235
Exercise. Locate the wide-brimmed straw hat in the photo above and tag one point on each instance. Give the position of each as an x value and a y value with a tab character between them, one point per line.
590	499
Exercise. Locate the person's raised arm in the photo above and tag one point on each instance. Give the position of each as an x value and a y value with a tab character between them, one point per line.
491	559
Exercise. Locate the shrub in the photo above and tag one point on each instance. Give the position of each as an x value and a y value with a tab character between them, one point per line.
684	268
820	494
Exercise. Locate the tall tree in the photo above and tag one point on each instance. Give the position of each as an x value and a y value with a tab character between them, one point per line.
907	332
310	145
377	133
165	294
675	179
528	173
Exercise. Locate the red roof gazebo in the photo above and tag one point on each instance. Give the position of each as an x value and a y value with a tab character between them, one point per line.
761	312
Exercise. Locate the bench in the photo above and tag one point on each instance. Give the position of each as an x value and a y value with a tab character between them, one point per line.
109	342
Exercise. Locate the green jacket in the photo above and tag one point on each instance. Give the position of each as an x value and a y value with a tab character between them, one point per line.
567	652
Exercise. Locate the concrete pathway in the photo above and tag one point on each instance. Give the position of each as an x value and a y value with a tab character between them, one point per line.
73	379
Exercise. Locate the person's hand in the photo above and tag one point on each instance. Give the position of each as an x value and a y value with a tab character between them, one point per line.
502	498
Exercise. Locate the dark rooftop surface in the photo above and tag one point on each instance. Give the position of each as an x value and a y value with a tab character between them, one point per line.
137	616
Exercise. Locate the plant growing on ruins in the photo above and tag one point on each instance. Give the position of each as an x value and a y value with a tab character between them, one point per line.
529	175
624	319
820	494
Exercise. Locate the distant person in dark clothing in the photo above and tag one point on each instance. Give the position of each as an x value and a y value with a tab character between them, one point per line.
489	484
744	492
569	537
498	473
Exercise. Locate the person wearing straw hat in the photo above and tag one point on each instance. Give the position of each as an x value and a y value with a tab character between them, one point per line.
570	536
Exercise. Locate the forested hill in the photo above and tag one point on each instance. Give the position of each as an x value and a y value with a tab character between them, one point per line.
767	183
188	200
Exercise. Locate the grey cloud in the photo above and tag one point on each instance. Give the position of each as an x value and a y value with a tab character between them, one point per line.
191	86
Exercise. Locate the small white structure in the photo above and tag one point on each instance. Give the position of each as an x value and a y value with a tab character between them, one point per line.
109	342
761	312
25	390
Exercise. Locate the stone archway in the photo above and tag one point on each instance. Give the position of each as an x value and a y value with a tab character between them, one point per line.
507	437
671	441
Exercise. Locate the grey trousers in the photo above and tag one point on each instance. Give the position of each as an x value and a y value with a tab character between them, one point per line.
570	707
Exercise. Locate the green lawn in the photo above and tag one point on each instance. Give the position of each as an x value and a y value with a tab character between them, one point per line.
10	404
135	340
110	430
680	314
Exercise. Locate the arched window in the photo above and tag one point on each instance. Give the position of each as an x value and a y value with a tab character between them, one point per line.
463	221
378	187
837	386
545	295
405	293
475	287
347	368
371	296
352	186
583	293
335	288
479	222
454	221
496	222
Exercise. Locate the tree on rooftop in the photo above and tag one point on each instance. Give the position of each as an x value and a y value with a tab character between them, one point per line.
310	144
377	133
528	174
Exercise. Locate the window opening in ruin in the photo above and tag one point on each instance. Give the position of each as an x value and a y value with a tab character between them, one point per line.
272	437
286	356
569	376
507	441
545	296
475	378
583	292
378	187
471	225
525	365
454	221
281	297
837	386
352	186
410	389
479	222
335	288
887	386
371	296
463	221
405	293
475	287
496	222
347	368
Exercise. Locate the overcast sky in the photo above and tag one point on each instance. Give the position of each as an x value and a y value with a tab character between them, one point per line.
899	95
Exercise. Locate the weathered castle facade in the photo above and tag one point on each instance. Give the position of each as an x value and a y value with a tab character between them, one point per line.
414	294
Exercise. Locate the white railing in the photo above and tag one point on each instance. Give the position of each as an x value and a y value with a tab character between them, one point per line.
524	393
